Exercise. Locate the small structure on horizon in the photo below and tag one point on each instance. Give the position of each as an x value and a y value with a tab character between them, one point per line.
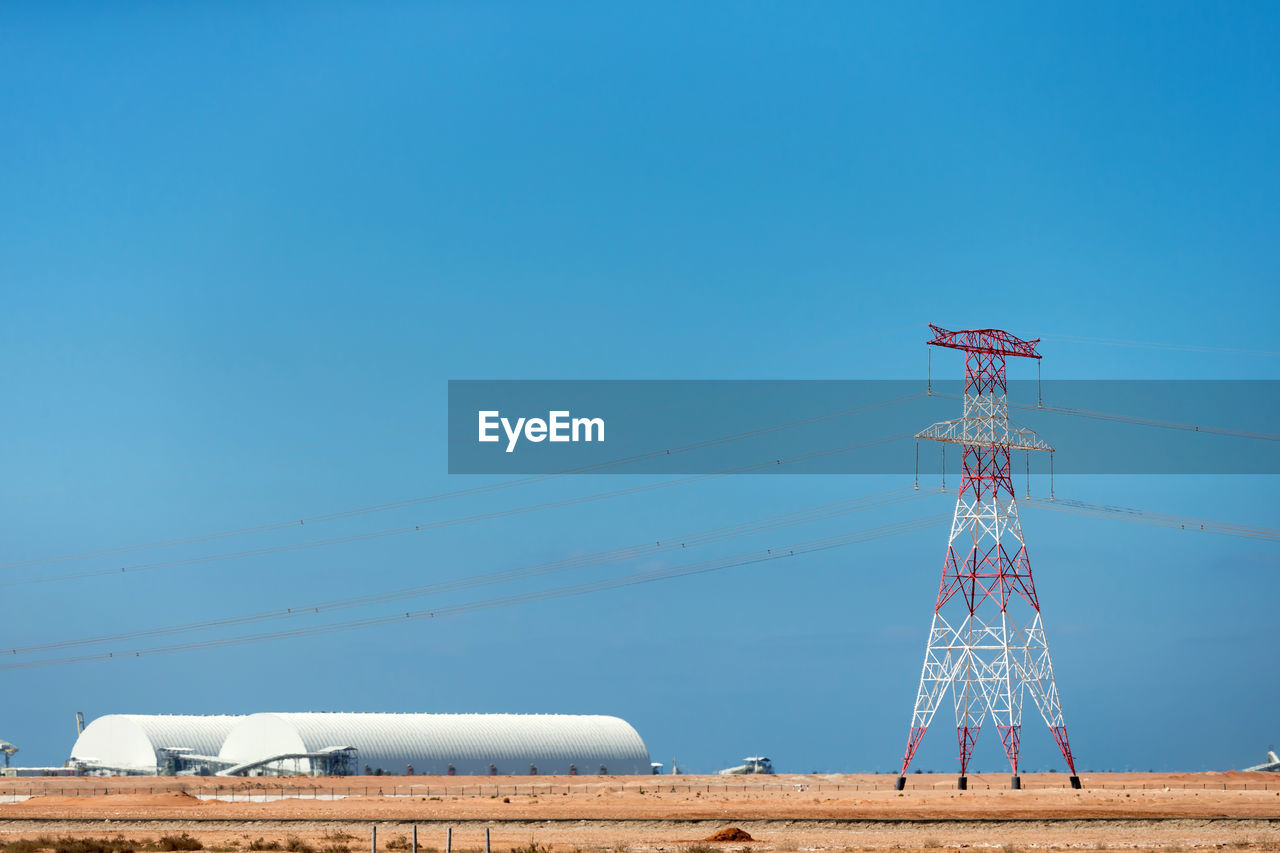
1271	765
750	764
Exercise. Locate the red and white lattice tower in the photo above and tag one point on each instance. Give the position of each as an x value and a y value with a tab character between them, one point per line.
987	643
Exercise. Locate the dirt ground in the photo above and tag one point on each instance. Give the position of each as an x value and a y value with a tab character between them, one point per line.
593	814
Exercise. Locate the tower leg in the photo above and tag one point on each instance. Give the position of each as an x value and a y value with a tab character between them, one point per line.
1044	691
968	737
1010	737
935	675
1060	737
970	692
1006	705
913	743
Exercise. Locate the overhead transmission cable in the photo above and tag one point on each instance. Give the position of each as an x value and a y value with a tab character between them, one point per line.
1145	421
1155	345
600	558
818	513
702	567
596	467
449	522
492	487
630	552
1158	519
1138	420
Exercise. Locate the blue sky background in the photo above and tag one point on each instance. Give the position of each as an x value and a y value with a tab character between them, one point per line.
243	249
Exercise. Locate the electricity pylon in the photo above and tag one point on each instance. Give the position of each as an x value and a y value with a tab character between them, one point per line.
987	643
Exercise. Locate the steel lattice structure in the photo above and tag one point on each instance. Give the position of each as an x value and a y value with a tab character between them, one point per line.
987	643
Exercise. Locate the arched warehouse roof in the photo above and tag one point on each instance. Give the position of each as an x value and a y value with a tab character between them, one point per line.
431	742
132	742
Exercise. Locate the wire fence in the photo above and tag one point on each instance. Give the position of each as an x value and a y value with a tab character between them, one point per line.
266	792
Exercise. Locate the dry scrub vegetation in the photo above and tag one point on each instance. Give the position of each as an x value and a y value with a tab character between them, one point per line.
70	844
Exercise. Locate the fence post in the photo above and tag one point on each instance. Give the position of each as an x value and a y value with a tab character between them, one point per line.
448	840
373	838
415	838
486	841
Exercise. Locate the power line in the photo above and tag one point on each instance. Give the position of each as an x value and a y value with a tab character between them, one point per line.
862	336
1138	420
448	522
703	567
1145	421
361	437
598	467
1122	342
645	549
1158	519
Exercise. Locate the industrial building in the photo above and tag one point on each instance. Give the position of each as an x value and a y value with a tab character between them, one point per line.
141	743
341	744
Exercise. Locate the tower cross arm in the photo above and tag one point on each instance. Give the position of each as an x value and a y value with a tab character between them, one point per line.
985	432
992	341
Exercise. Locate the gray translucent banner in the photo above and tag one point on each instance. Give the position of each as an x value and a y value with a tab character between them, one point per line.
851	426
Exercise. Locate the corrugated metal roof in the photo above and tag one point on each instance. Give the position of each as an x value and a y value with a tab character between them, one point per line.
431	742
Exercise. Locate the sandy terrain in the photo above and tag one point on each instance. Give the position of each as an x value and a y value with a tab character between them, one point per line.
1115	811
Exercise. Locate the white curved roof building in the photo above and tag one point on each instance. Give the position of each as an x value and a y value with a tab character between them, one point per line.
132	742
474	744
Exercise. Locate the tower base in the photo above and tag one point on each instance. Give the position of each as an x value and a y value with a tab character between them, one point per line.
900	784
1015	782
962	784
1075	782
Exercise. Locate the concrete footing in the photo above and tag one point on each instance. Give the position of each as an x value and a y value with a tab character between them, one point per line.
900	784
962	784
1015	782
1075	782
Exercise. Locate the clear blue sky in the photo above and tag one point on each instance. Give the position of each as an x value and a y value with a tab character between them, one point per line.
243	249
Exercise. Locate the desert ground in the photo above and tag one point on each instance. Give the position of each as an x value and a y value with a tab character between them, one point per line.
652	814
